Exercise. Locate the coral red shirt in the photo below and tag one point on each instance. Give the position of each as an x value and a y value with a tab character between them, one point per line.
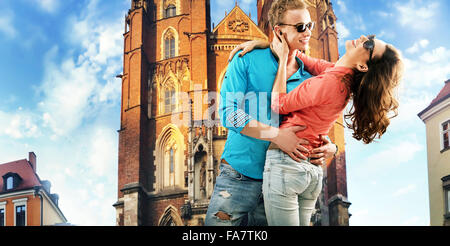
317	102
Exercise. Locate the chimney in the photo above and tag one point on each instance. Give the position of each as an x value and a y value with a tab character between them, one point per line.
54	198
32	160
47	185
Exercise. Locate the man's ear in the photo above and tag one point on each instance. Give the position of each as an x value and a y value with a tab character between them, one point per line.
277	31
362	67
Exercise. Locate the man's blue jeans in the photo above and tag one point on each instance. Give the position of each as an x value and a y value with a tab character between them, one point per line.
290	189
236	200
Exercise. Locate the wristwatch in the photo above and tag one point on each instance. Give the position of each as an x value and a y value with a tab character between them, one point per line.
337	150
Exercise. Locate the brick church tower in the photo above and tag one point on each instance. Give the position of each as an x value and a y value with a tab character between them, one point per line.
170	138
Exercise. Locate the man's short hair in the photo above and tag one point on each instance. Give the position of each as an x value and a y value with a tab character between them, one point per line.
279	8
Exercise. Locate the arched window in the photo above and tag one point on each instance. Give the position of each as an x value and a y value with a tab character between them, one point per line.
9	183
170	217
169	100
169	47
171	161
170	11
200	169
331	21
170	171
171	168
169	43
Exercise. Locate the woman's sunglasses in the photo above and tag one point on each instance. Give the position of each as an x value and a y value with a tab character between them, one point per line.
370	45
301	27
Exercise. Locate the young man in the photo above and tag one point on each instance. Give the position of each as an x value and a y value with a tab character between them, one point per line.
245	110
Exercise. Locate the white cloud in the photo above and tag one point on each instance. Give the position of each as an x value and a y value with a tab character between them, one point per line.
360	23
19	125
409	107
404	190
386	35
417	14
424	76
424	43
6	24
396	153
342	6
437	55
431	68
49	6
68	89
101	145
383	14
384	155
101	42
83	172
417	45
342	30
74	89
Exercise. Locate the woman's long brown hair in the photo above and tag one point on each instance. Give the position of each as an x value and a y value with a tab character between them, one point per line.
374	96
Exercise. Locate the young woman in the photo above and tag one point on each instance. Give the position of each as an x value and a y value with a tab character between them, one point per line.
368	73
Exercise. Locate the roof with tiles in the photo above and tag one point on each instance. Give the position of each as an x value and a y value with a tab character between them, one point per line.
443	95
22	168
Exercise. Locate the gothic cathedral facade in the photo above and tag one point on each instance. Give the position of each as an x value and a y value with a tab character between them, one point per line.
170	137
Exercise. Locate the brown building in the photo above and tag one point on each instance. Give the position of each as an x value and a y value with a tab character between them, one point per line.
25	200
170	140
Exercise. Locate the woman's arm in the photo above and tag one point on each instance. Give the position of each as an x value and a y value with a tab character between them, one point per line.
318	90
247	47
313	65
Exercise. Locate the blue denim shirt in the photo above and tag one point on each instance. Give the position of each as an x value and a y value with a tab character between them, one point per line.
246	95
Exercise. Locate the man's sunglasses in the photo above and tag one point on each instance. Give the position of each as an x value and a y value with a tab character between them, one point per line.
370	45
301	27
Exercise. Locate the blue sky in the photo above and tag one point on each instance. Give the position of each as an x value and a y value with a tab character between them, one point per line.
59	98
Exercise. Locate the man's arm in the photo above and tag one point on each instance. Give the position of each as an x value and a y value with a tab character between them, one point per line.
285	139
324	152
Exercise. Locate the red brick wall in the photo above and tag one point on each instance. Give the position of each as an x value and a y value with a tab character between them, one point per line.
157	208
